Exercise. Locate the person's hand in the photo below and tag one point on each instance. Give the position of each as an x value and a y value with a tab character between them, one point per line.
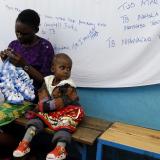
4	54
41	106
15	58
43	94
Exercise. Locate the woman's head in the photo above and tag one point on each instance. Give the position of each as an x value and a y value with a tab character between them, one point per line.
27	25
61	66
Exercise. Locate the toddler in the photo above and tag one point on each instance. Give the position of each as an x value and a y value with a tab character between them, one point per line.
58	109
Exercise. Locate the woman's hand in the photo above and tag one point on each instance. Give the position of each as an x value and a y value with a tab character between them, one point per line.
15	58
3	54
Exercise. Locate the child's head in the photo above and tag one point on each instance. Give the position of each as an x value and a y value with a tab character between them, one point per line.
61	66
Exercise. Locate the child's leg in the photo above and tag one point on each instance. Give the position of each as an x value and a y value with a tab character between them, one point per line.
62	138
34	126
30	133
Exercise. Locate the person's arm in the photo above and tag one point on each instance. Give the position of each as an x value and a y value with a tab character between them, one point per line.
46	57
33	73
17	60
47	103
45	54
43	93
72	94
70	97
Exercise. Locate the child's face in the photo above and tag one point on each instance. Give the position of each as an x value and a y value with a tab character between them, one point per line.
62	69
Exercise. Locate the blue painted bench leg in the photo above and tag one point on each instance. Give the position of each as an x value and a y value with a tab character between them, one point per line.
99	151
83	151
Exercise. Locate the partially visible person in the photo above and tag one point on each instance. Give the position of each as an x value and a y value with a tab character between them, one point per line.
31	52
58	108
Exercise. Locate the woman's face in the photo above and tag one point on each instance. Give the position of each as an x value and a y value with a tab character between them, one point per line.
25	33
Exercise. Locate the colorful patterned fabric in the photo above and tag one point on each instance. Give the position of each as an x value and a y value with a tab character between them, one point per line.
9	112
65	118
15	84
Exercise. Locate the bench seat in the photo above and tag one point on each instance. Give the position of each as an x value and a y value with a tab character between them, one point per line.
86	134
130	138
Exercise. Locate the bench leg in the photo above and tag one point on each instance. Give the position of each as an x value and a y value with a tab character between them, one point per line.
83	151
99	151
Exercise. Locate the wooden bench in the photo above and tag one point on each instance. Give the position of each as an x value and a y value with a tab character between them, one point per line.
87	132
130	138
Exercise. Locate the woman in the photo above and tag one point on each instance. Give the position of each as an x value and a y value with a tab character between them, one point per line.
31	52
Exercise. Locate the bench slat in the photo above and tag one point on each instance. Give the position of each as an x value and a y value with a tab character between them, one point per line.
86	135
95	123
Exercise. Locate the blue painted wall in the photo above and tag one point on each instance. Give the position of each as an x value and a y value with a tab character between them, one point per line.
136	105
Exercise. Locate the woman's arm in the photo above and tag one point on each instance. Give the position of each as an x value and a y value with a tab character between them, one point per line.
17	60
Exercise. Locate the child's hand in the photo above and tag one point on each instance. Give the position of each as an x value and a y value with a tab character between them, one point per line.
41	106
42	94
46	105
59	103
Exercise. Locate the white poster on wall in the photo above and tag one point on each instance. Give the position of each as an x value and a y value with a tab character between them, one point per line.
112	43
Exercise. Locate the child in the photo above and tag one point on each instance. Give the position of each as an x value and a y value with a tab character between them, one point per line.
58	108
